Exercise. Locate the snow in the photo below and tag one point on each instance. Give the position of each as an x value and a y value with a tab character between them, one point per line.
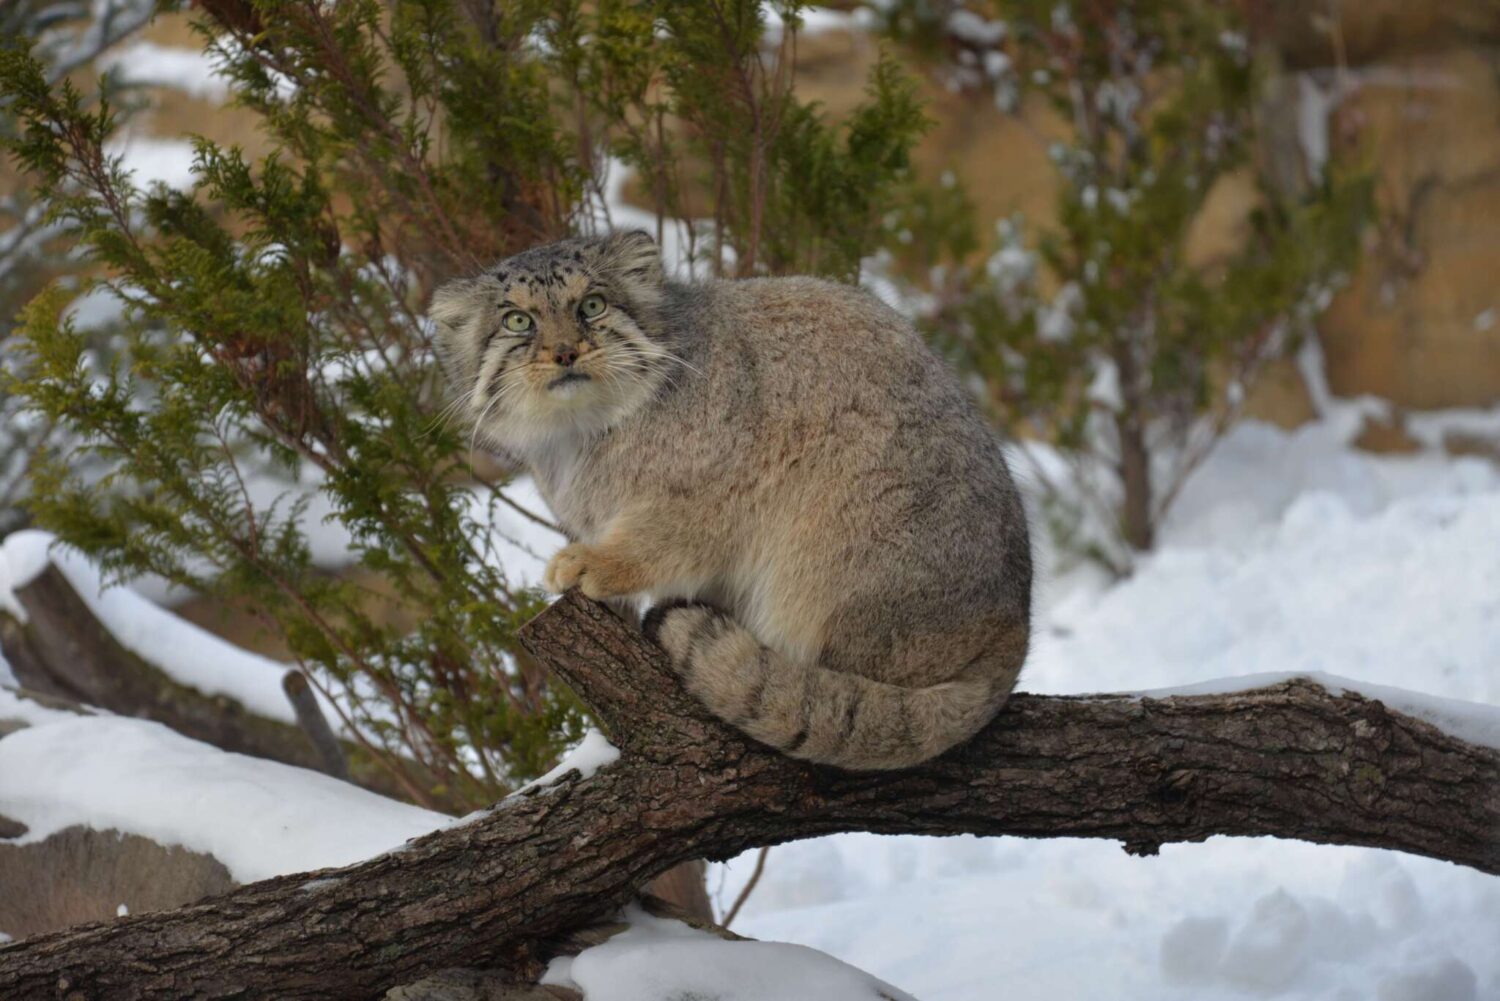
23	555
16	707
1383	571
813	21
1434	426
201	660
519	544
1288	552
1474	722
612	213
948	919
1314	107
592	753
151	159
656	958
259	818
146	63
969	27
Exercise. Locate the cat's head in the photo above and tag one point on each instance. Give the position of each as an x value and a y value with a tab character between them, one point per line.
556	340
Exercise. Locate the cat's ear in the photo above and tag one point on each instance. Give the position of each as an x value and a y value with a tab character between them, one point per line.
634	256
454	309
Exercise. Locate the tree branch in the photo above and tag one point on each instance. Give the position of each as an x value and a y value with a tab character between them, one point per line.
1289	760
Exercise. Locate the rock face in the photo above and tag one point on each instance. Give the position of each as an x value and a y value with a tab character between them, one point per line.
1411	91
79	874
1420	323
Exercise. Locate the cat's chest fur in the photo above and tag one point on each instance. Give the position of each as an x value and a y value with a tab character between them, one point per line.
562	477
586	483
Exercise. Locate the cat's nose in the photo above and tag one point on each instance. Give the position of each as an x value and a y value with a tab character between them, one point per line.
565	356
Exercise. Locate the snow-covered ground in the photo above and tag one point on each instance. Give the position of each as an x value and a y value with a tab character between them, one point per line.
1287	552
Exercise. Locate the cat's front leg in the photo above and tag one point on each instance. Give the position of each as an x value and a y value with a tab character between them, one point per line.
600	570
650	550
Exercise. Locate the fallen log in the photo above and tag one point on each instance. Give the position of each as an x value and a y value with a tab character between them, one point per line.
63	650
1292	759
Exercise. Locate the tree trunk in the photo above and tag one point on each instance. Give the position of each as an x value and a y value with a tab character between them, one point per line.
1288	760
1135	480
1135	458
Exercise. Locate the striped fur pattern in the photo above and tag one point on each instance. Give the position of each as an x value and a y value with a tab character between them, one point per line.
835	549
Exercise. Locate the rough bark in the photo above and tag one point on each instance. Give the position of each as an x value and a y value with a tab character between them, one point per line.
1290	760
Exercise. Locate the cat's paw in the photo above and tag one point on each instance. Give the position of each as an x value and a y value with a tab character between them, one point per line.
595	571
674	625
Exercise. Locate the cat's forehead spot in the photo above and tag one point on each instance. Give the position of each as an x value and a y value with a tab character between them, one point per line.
542	292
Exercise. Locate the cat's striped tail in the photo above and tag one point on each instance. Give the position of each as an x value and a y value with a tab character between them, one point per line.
811	712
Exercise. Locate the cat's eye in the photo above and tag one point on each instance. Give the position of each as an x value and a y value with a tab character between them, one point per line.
592	306
516	321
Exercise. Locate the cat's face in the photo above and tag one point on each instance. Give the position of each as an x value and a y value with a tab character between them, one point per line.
556	340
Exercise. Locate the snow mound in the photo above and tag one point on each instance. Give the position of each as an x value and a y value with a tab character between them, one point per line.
655	959
1404	594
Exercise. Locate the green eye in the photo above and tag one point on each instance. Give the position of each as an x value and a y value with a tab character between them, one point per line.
517	322
592	306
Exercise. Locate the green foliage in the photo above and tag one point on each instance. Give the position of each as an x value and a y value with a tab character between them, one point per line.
1107	340
273	356
699	99
32	249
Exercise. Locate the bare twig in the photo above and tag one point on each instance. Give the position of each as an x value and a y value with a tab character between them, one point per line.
739	901
314	724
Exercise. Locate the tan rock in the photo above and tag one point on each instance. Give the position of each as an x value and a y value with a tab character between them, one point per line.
1420	322
1280	396
1322	34
79	875
1386	435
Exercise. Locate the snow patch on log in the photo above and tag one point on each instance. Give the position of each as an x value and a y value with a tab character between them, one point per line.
23	555
259	818
593	752
1473	722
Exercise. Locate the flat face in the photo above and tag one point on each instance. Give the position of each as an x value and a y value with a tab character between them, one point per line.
554	340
